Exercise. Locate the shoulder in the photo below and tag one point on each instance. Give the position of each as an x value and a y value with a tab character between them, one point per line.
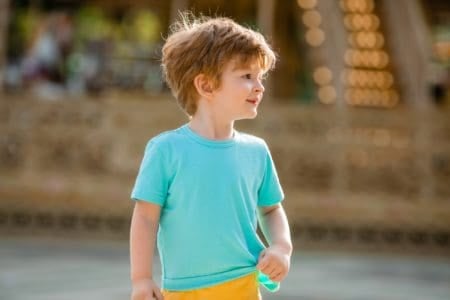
165	140
253	142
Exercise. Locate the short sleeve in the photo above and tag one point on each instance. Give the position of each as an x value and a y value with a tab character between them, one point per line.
152	181
270	191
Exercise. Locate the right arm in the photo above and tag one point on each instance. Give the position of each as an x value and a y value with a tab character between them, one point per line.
144	228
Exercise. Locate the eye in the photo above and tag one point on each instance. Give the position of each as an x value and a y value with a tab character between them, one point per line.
248	76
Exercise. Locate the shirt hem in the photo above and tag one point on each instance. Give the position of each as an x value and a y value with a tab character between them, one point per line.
195	283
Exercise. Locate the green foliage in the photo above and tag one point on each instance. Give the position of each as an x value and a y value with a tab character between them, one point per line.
92	24
142	26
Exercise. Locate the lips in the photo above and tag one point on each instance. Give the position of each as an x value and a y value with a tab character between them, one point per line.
252	101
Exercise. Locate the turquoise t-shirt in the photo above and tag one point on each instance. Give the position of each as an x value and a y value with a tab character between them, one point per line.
209	191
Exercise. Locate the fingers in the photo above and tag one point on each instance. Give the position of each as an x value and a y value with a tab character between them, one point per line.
272	264
265	265
272	272
262	261
278	277
158	295
262	264
147	292
271	269
262	254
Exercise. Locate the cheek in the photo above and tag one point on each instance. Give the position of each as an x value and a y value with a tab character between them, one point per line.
247	86
241	85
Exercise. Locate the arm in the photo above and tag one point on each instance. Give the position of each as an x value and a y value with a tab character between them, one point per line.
144	227
275	260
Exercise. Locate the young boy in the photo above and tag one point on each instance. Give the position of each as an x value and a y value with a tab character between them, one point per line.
202	187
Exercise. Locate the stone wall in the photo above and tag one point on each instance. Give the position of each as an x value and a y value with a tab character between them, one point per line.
359	177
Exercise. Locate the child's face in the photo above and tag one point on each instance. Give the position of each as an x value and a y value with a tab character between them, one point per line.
240	92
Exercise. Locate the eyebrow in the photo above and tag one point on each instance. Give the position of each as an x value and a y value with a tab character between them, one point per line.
246	68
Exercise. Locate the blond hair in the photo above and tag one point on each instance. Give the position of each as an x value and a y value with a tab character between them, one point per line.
203	46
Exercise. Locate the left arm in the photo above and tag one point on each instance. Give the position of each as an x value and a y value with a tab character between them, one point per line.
275	260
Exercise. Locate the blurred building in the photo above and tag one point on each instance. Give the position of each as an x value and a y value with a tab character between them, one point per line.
369	53
357	114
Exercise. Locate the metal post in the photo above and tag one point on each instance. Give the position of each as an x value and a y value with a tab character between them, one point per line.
265	23
411	48
4	21
265	17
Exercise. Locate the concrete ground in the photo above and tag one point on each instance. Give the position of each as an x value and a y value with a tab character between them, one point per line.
64	269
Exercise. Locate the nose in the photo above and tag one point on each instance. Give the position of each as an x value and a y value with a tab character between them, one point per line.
259	87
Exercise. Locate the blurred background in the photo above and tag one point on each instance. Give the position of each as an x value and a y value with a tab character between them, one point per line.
356	113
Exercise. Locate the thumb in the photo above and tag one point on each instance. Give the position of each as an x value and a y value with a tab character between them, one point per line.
261	260
262	254
158	295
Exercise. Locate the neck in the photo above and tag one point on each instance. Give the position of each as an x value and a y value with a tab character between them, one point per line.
210	126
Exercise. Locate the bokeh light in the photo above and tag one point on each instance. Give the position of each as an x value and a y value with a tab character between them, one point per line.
307	4
367	77
327	94
311	18
315	37
322	75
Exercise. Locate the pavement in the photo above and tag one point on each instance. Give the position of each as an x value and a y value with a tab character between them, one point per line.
37	268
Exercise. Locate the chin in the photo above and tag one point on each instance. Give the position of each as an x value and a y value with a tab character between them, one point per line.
252	115
248	116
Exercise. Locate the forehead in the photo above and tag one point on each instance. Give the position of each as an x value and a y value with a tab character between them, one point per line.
253	64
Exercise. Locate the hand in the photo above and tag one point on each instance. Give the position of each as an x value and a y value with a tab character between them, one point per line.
274	262
146	289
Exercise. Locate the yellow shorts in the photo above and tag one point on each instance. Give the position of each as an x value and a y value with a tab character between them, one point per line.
244	288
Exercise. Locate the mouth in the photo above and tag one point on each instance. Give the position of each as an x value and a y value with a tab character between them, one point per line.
253	101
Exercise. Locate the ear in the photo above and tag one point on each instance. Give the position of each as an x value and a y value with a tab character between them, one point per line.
203	85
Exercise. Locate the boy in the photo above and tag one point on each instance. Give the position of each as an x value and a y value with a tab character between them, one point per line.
202	187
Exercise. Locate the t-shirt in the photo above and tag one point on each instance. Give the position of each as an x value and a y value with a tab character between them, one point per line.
209	191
